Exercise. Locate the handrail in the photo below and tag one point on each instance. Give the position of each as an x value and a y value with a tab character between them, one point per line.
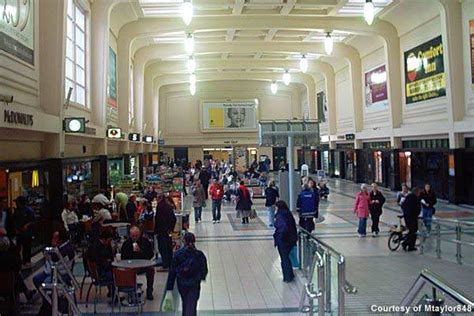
322	243
453	221
428	277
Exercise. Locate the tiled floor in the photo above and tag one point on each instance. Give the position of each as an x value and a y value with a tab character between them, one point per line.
245	274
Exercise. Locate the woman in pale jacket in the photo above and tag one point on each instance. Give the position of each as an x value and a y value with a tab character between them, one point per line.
361	209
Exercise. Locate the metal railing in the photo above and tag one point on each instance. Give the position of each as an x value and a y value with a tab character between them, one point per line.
437	283
323	267
450	227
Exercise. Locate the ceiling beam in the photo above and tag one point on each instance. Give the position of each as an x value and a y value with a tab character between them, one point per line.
238	7
271	34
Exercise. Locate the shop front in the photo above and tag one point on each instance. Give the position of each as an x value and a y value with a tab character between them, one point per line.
343	158
464	174
426	161
82	176
372	163
308	156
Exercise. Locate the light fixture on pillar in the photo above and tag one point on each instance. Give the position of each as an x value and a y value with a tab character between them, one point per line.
189	44
191	64
274	87
369	11
192	79
187	11
192	89
286	78
303	64
328	43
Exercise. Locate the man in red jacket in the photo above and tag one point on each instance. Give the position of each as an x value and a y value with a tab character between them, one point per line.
217	194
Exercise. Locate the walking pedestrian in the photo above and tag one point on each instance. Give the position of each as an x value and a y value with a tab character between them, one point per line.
217	194
199	199
376	203
428	201
244	203
402	194
188	269
165	220
307	206
361	209
271	197
285	238
23	219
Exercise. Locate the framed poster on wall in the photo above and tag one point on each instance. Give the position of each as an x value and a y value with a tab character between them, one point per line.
112	107
471	40
229	116
376	96
425	78
322	106
17	29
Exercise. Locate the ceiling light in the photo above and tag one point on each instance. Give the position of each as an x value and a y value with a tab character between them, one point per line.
328	43
187	12
189	44
303	64
286	78
369	11
274	87
192	89
191	64
192	79
256	101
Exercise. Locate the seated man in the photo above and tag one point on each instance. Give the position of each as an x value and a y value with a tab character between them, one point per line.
100	252
138	247
323	190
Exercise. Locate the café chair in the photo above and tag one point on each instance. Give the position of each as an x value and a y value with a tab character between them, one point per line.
125	281
96	282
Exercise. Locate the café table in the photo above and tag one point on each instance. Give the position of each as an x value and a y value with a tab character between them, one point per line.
116	224
133	263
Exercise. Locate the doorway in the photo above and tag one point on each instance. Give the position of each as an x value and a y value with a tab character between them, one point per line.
405	168
181	155
279	157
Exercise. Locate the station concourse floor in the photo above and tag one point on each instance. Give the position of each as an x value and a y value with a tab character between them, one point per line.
244	267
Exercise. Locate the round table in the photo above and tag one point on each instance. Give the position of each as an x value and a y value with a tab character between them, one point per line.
116	224
134	264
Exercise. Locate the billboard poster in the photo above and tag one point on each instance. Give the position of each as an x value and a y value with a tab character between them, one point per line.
17	29
322	106
471	39
376	96
233	116
112	108
425	78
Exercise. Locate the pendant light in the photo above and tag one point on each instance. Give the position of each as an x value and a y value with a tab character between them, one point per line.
328	43
187	12
189	44
192	89
286	78
303	64
274	87
369	11
191	64
192	79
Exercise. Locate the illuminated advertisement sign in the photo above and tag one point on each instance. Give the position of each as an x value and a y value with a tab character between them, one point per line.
425	78
376	96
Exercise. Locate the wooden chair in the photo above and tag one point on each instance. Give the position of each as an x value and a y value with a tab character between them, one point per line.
125	281
9	303
96	282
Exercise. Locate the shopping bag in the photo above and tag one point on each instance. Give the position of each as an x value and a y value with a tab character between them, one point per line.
168	302
253	213
294	257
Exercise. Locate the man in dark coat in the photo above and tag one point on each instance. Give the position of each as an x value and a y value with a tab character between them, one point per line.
205	176
411	207
23	219
139	247
165	220
285	238
307	205
376	203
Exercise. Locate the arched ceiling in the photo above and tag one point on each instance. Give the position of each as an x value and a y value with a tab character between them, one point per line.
227	32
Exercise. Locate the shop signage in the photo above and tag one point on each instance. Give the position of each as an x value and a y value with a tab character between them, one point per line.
74	125
471	39
17	29
148	139
424	72
161	142
17	118
134	137
376	96
115	133
350	136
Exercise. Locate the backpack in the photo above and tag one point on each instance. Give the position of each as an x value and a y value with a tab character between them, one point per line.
189	268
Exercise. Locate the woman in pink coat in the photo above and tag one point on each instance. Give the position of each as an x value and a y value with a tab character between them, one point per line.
361	209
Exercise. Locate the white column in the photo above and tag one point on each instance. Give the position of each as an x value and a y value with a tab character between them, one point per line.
355	67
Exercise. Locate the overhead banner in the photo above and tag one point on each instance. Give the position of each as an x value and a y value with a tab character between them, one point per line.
425	78
376	96
17	29
112	108
471	36
322	106
233	116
